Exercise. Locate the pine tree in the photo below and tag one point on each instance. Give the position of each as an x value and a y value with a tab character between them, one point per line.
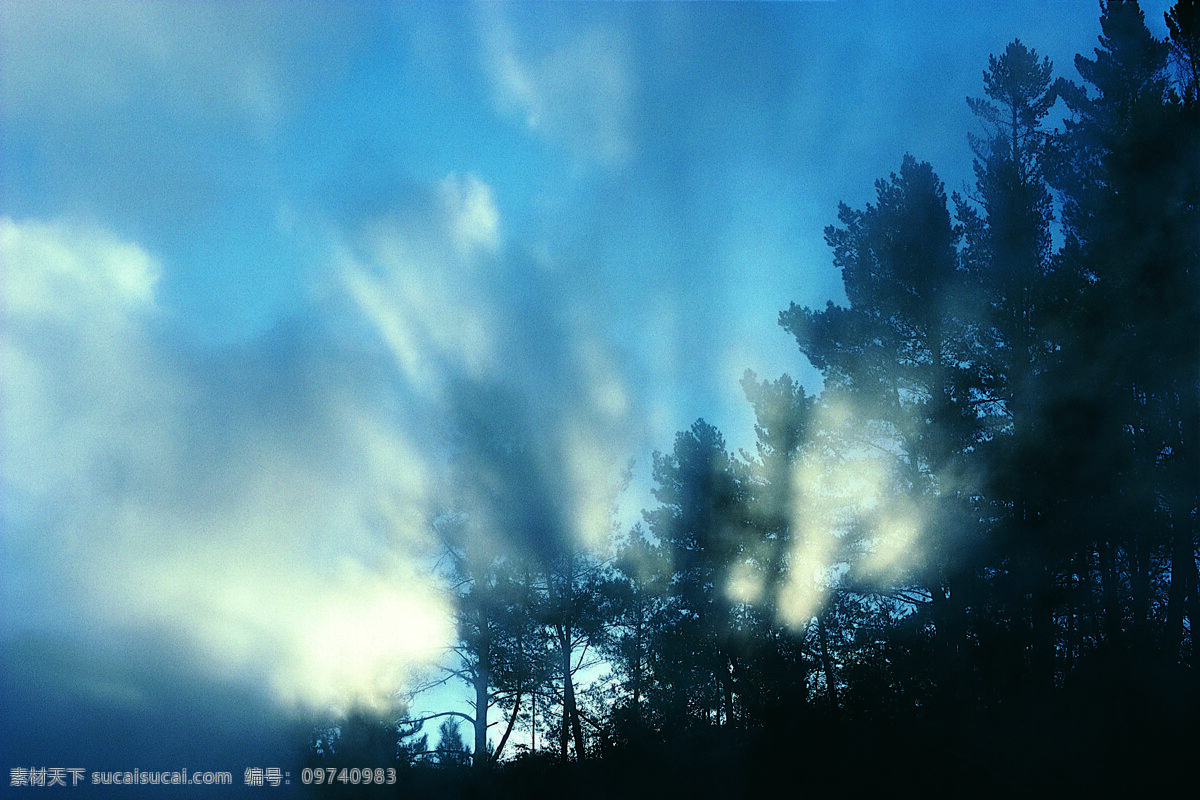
451	749
897	361
1008	256
1128	226
701	524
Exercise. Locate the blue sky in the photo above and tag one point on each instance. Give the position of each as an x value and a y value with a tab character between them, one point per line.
257	257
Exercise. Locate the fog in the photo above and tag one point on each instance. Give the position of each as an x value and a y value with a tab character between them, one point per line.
282	284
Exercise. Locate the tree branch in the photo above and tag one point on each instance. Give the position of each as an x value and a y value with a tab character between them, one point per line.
428	717
511	721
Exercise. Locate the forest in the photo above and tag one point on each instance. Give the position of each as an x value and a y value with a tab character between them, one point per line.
968	563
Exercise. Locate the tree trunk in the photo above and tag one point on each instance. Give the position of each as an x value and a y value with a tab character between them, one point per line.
507	731
570	712
482	678
1181	598
727	697
1139	583
1044	632
827	662
1084	618
639	643
1108	594
1177	592
1192	575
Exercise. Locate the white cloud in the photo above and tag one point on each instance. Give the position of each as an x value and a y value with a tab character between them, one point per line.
424	282
265	504
463	318
474	218
54	270
78	382
268	525
579	95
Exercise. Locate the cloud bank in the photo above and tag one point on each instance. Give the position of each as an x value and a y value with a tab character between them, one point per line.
269	502
235	501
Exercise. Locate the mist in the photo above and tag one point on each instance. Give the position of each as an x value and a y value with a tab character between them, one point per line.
351	350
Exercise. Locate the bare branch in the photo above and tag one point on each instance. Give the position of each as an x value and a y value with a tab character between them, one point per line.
511	721
428	717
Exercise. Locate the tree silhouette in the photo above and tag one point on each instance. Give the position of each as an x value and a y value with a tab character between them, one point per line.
775	665
493	654
1007	255
1130	183
700	523
898	359
451	750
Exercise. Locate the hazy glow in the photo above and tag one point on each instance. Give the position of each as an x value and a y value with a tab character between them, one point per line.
745	583
320	640
844	504
608	395
71	352
813	544
54	271
399	332
594	470
894	546
357	648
